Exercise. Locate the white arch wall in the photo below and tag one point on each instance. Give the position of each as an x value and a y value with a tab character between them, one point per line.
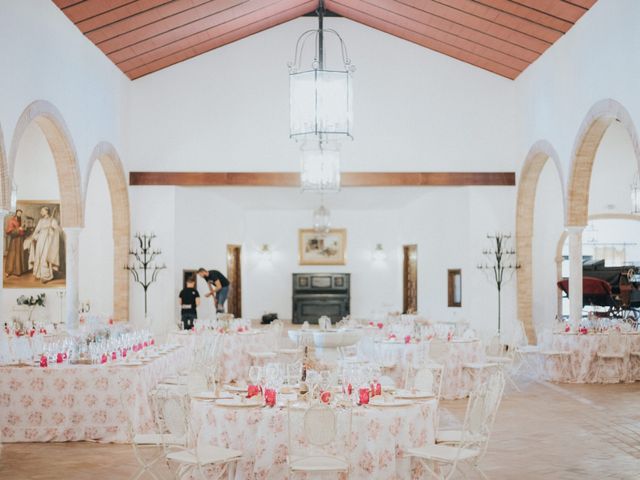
595	60
44	56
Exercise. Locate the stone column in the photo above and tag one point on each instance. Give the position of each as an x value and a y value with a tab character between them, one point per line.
575	275
72	239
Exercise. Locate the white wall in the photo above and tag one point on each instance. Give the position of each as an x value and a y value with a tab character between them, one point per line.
227	110
45	57
96	246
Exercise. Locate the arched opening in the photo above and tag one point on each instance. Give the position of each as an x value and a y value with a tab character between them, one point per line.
43	164
107	231
527	202
5	179
606	119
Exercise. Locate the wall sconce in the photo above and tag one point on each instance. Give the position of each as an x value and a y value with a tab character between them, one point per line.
379	254
265	252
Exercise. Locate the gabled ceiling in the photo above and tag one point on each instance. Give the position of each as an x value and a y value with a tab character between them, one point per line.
501	36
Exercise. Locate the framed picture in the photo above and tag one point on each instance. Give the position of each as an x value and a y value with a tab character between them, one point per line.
34	254
322	248
454	280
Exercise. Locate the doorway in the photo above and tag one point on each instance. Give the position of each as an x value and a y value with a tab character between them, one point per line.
234	304
410	279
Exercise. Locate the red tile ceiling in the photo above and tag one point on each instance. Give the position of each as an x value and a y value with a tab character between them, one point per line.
502	36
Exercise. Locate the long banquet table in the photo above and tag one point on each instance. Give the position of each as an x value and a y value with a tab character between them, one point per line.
236	347
380	435
456	384
81	402
583	360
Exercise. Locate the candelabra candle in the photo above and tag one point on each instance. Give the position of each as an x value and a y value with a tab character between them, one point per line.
501	264
143	270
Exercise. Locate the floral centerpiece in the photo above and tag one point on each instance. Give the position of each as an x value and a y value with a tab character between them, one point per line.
31	302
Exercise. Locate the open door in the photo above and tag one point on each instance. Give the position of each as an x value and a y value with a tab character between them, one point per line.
234	302
410	279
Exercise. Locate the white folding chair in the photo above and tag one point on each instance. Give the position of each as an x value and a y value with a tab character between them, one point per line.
150	448
466	446
425	378
318	439
555	360
612	351
196	459
497	352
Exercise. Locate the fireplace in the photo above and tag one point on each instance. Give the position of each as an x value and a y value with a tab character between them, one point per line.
318	294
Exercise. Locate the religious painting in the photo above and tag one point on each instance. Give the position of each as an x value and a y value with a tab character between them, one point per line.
34	253
322	248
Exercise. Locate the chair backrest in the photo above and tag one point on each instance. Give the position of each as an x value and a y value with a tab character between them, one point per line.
426	378
615	341
197	382
170	412
319	430
438	350
481	412
494	347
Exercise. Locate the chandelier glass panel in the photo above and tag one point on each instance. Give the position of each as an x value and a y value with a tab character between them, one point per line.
321	106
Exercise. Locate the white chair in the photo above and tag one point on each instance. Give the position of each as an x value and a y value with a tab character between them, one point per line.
526	356
150	448
194	460
425	378
612	351
318	440
498	352
634	365
466	446
556	359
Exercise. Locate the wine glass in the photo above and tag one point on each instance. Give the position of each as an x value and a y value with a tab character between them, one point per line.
255	373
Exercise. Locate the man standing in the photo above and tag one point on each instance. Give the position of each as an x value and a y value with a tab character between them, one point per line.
218	287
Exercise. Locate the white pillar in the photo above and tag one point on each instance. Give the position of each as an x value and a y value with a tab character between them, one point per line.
72	240
3	214
575	275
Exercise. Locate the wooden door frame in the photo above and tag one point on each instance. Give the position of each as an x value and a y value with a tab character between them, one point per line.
235	277
405	269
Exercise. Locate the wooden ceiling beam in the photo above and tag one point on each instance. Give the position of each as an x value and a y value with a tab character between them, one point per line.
348	179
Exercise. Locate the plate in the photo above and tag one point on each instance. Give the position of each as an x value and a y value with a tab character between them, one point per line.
237	403
210	396
376	402
236	388
414	395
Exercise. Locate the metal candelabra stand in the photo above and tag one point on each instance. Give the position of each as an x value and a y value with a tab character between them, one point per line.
500	264
143	270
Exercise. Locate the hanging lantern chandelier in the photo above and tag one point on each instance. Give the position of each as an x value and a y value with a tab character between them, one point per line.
321	219
321	106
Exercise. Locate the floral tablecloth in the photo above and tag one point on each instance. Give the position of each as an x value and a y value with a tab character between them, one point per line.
235	360
380	435
398	357
583	361
80	402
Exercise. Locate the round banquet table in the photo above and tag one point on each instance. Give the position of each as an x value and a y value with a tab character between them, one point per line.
380	435
399	356
583	361
234	358
64	403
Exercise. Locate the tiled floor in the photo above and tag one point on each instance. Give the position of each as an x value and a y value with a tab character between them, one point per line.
547	431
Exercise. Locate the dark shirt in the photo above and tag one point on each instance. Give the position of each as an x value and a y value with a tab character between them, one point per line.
216	275
188	298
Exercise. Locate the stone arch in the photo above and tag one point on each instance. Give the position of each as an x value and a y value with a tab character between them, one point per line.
5	178
535	161
593	128
114	171
55	130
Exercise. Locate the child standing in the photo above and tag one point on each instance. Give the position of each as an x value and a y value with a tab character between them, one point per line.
189	300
